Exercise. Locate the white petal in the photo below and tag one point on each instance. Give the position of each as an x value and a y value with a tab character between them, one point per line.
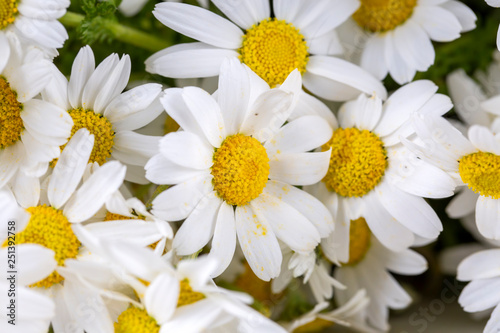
177	202
161	297
82	69
159	170
299	168
267	114
98	79
36	263
27	190
304	203
183	320
198	227
4	51
487	217
400	70
480	265
373	56
462	204
134	148
407	262
94	192
483	139
308	105
189	60
187	149
70	168
224	240
368	112
480	295
414	46
339	70
464	14
440	24
199	24
301	135
39	74
113	86
245	13
291	227
259	244
387	229
56	91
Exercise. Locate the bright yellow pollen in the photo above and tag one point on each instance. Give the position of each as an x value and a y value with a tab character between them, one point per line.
273	49
359	241
11	124
317	325
116	217
50	228
8	12
97	125
187	295
383	15
135	320
357	164
481	172
240	169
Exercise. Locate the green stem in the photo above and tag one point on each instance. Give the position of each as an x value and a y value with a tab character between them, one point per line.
120	32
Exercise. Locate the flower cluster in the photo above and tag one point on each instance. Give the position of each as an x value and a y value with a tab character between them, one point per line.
258	177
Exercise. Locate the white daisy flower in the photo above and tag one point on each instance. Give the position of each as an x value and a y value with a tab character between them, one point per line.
372	174
32	312
368	267
46	219
32	23
31	130
181	299
94	100
232	166
495	3
316	320
315	272
481	293
300	36
472	161
397	34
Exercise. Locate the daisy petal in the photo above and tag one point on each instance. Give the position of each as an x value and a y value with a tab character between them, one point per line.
187	149
246	13
94	192
291	227
479	265
259	244
161	297
487	217
199	24
299	168
82	69
40	264
478	295
224	240
483	139
440	24
159	170
70	168
198	227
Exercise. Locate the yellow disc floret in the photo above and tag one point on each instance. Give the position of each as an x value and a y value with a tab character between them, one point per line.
97	125
481	172
359	240
8	12
116	217
51	229
240	169
135	320
357	164
383	15
11	124
273	49
187	295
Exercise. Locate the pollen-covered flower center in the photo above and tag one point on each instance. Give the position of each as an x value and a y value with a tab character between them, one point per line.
383	15
8	12
50	228
481	172
99	126
240	169
357	163
359	240
187	295
11	124
273	49
135	320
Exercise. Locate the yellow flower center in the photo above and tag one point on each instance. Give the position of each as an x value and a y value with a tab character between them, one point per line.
135	320
99	126
273	49
359	241
11	124
240	169
187	295
8	12
50	228
383	15
116	217
481	172
317	325
357	164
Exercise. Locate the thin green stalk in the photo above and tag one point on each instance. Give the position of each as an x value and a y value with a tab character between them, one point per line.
120	32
